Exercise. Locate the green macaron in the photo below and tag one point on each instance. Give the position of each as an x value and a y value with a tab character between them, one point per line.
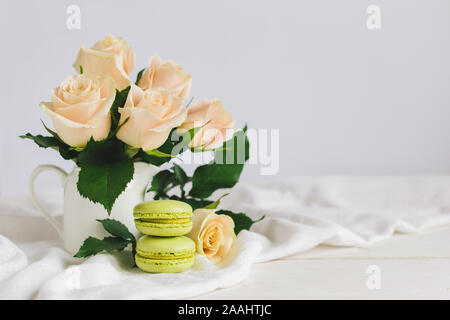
164	255
163	218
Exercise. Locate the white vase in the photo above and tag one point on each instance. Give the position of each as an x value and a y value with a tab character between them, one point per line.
80	214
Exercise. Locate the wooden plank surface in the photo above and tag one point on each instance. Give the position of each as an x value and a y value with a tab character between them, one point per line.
405	267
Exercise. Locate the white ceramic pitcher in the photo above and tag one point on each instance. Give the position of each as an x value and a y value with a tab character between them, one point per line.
80	214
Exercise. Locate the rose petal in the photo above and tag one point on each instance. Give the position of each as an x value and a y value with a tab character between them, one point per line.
76	124
216	122
168	75
102	64
149	124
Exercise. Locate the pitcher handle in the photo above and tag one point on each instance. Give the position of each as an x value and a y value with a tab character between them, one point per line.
63	175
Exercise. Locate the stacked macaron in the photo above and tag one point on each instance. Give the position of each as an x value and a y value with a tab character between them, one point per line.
164	248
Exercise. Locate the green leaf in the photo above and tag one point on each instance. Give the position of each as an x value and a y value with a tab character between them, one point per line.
180	174
154	160
225	170
139	75
161	182
200	149
216	203
103	184
105	171
131	151
93	246
112	133
158	154
66	151
165	180
42	141
119	102
81	69
235	151
117	228
241	220
163	154
194	203
53	133
181	178
174	145
52	142
103	151
208	178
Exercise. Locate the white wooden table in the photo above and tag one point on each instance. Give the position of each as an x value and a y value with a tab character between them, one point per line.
409	267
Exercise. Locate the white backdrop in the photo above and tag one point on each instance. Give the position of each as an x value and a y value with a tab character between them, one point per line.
347	100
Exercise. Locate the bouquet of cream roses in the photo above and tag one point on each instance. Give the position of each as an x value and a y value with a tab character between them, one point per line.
104	123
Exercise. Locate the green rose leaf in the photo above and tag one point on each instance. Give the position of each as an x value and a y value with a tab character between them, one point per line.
105	171
166	151
165	180
53	133
139	75
103	184
149	158
117	228
161	183
216	203
119	102
52	142
180	175
224	171
210	177
181	178
42	141
122	237
241	220
112	133
194	203
93	246
159	154
67	153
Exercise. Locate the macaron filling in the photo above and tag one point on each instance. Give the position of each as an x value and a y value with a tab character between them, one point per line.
165	225
162	216
186	256
164	221
182	254
164	262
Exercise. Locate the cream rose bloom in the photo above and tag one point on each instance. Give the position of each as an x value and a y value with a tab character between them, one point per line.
152	114
220	127
110	57
166	74
212	233
80	109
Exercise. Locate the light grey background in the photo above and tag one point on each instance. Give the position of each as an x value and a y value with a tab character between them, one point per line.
347	100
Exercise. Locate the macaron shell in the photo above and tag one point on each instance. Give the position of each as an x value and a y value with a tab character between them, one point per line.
163	266
149	246
169	255
162	209
163	229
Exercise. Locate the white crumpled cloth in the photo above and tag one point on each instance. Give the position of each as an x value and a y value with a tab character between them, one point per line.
300	214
